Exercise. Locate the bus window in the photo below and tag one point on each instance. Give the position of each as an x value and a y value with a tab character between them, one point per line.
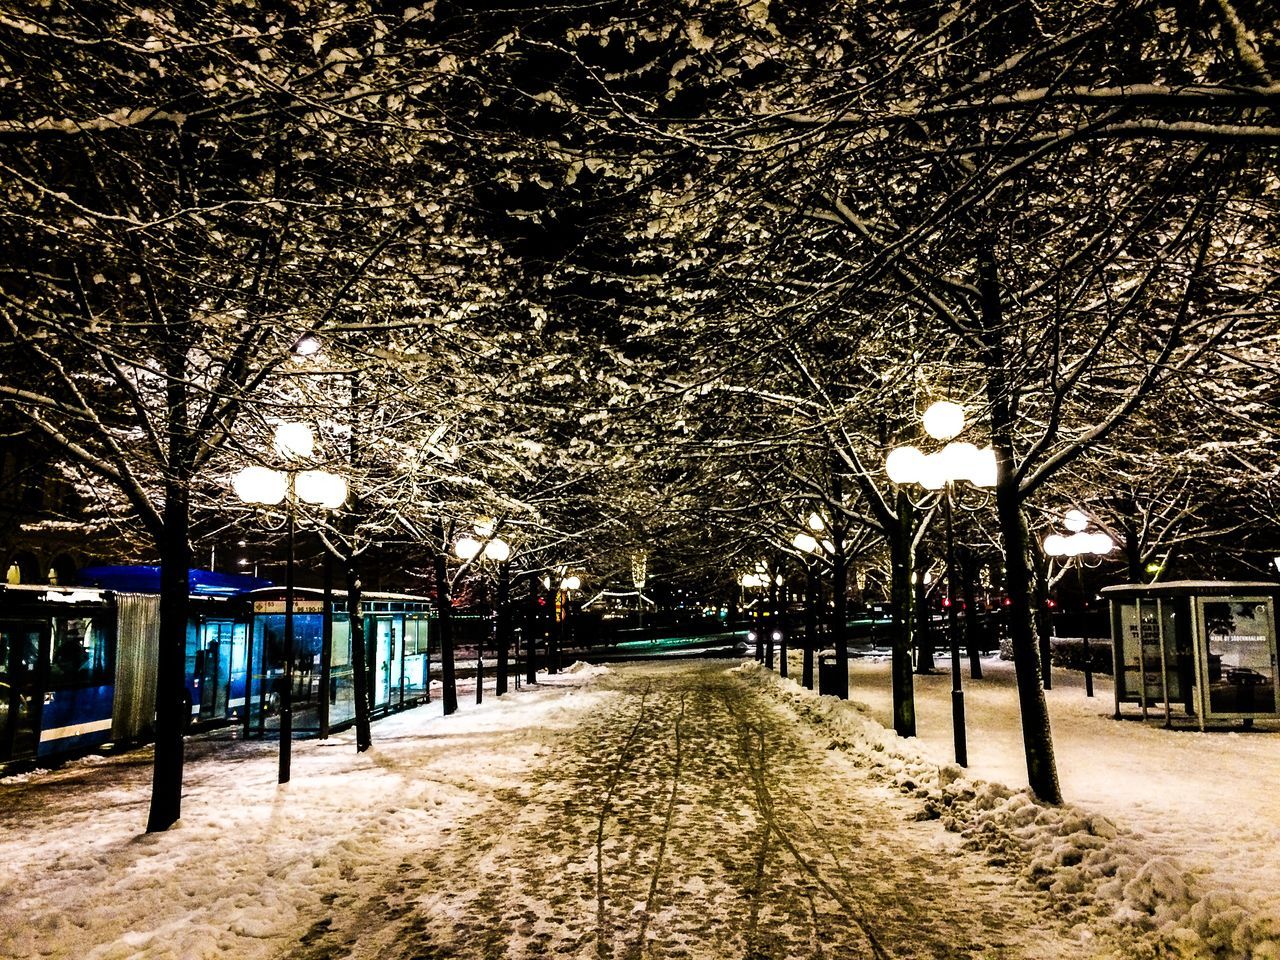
80	652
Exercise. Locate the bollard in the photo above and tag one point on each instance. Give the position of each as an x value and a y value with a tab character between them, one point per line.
1088	669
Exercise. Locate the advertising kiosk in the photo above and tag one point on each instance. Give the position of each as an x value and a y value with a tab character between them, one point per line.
1207	648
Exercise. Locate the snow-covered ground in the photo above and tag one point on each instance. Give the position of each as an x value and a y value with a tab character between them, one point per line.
692	809
1198	813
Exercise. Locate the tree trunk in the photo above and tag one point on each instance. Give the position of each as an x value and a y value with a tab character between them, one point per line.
771	626
904	704
839	587
359	660
175	554
1037	739
1040	613
972	632
924	623
175	590
445	621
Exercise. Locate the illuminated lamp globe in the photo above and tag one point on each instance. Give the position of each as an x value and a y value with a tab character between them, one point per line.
499	551
466	548
828	546
307	345
804	543
933	473
260	485
294	441
322	488
571	583
1075	521
959	460
1101	543
816	523
1055	545
984	468
944	420
903	465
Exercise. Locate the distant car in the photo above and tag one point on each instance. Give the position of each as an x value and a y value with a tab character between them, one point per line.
1244	677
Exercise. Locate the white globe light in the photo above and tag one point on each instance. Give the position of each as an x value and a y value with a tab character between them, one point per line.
1075	521
1101	543
944	420
816	523
294	441
804	543
466	548
903	464
1079	543
984	468
933	473
828	546
959	460
322	488
499	551
571	583
1055	545
260	485
308	345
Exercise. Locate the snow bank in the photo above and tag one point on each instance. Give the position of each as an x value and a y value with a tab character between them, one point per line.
1102	877
587	670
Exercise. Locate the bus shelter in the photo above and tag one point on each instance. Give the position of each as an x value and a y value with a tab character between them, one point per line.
1207	648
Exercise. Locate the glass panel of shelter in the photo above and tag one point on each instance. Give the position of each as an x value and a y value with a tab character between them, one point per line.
1240	641
21	695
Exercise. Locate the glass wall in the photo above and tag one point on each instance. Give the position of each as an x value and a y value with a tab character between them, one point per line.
1240	641
396	642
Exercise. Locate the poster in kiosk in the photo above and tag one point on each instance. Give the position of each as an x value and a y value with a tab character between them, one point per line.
1206	649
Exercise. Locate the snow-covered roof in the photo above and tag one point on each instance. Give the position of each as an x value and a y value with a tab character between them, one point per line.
1191	587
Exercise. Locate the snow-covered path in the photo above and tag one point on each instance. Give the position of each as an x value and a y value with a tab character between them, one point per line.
660	810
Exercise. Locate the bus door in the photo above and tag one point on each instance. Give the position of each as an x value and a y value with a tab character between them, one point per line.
385	645
213	666
21	687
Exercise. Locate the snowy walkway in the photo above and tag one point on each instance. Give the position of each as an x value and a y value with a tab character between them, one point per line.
670	810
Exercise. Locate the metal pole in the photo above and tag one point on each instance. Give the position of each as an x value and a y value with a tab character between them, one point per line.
502	627
530	639
810	621
1084	630
286	695
953	635
326	645
480	668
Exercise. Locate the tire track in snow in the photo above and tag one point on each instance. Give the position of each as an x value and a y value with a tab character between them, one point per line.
756	761
651	899
623	760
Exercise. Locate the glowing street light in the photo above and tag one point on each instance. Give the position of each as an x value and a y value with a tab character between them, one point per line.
940	471
293	442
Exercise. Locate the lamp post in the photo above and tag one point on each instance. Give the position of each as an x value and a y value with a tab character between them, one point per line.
495	550
940	471
294	442
811	549
757	580
1074	548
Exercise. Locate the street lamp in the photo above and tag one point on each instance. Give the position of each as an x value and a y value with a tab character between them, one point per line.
1073	549
493	549
565	585
811	550
262	485
940	471
757	579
